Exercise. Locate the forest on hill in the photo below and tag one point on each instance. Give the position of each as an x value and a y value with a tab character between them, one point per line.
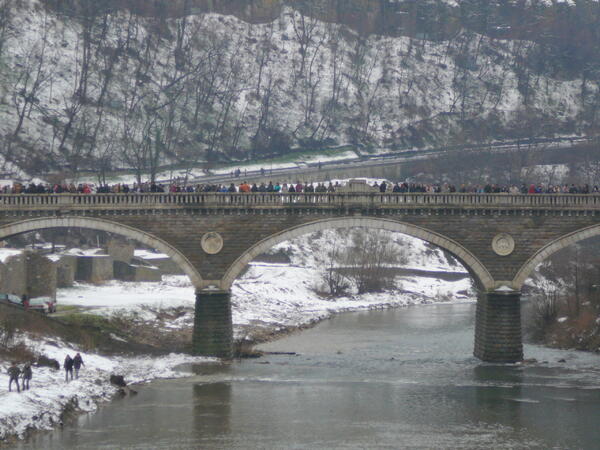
105	84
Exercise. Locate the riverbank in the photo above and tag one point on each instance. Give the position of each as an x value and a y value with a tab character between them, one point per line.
361	380
51	399
44	406
270	300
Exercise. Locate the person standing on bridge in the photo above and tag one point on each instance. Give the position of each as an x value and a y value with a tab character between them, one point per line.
77	363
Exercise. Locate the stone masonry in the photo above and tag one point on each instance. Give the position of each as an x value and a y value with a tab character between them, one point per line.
500	238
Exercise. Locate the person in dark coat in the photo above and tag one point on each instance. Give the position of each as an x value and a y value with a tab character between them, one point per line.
68	365
27	376
13	374
77	363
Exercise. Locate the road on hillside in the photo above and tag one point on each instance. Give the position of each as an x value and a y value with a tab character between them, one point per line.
386	159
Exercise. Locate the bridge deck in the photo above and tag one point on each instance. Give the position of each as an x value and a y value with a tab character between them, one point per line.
227	200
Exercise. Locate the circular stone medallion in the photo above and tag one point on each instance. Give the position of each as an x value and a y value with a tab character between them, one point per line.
212	243
503	244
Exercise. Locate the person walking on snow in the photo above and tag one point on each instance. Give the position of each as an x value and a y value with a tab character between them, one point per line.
27	375
13	374
77	363
68	365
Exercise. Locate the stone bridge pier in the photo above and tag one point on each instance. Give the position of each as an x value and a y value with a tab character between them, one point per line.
213	329
499	238
497	326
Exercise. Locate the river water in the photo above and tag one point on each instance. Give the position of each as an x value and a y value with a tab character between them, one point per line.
400	378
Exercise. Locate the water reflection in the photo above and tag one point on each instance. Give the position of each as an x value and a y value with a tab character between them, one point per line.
498	390
212	410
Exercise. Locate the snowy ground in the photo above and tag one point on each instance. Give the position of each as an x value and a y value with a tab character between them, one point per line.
41	407
270	296
281	303
283	294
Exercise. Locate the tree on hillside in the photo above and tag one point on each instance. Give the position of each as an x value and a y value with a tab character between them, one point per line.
32	75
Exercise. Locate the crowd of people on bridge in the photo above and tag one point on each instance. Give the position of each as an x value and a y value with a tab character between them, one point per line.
298	187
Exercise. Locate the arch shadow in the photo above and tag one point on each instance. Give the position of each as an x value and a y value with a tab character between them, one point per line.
473	265
112	227
551	248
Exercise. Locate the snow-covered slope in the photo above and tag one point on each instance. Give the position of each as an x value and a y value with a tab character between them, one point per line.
137	91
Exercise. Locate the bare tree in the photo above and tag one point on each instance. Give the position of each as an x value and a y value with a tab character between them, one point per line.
336	282
304	29
371	259
32	75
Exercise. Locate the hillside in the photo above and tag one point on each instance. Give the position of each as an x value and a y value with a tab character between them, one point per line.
105	84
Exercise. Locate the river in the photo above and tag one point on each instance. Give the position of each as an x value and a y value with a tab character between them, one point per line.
401	378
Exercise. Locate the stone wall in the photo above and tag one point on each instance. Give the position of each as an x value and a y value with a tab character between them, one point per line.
498	328
28	273
13	278
41	276
120	250
94	269
66	267
246	228
465	228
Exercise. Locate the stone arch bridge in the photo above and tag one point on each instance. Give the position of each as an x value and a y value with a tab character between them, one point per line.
500	238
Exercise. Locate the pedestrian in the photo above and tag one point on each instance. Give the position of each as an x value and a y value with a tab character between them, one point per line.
27	376
77	363
68	365
13	374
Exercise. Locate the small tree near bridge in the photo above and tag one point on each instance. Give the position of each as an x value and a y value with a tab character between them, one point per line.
365	259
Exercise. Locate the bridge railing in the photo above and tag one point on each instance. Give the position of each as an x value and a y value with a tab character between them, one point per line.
143	200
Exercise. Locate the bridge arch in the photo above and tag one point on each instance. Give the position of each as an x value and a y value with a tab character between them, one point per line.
109	226
477	269
550	248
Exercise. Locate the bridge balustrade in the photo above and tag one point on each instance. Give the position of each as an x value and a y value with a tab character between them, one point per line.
9	201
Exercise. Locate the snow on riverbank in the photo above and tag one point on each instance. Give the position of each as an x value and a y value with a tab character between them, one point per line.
278	295
42	407
269	296
281	295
